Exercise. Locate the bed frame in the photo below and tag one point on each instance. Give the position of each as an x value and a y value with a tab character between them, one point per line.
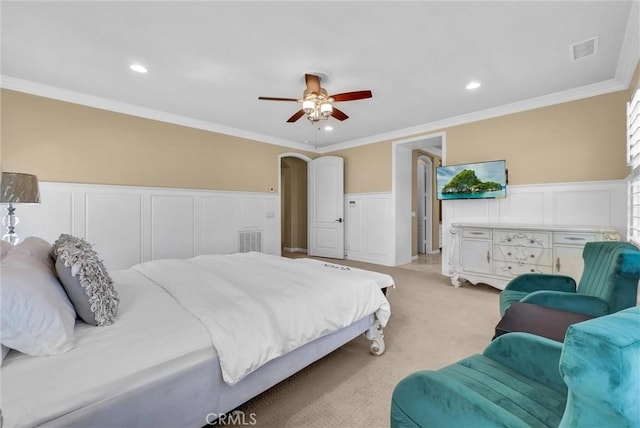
197	396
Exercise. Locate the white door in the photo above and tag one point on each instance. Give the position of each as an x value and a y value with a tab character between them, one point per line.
326	207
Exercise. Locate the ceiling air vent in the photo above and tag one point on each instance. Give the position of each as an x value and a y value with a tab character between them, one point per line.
584	49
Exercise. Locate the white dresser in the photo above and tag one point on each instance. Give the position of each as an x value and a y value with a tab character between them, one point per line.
493	254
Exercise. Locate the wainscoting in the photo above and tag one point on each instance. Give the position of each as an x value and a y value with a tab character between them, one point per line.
129	225
598	203
369	227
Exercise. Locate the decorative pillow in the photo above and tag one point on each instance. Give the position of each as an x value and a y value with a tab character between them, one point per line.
85	280
36	316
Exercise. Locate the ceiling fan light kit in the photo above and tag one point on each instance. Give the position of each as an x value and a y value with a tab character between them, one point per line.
317	104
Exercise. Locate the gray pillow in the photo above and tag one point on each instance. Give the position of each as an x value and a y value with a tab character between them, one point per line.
86	281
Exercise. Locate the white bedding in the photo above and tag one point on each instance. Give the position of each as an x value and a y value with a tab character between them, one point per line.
157	350
253	304
148	341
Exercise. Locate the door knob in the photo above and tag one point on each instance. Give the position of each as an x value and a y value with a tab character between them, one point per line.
339	220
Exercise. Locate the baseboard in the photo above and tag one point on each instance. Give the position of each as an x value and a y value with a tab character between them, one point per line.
295	250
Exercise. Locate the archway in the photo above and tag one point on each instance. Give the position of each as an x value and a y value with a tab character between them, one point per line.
292	185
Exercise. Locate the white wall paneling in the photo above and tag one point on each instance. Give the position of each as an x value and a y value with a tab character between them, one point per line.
369	227
593	203
109	218
129	225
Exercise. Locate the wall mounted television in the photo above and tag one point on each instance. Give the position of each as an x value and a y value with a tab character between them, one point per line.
482	180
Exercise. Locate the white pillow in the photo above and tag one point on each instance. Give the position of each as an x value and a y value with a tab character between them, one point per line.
5	247
36	316
37	248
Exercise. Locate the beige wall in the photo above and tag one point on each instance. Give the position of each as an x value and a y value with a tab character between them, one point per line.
576	141
581	140
67	142
367	168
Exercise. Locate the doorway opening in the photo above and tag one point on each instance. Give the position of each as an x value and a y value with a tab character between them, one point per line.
405	193
427	208
293	204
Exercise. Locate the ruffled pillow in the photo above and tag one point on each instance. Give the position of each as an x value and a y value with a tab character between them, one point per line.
86	280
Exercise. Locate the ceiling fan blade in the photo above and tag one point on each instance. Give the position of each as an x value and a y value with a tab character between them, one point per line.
313	83
339	114
297	115
352	96
277	99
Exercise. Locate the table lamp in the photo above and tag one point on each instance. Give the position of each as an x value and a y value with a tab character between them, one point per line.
16	188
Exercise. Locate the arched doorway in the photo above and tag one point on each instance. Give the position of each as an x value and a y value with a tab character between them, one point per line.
293	203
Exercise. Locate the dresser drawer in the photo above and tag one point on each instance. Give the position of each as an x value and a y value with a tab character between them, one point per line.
523	254
573	238
522	237
511	270
476	233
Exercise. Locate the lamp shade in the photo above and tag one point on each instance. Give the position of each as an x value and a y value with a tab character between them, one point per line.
18	188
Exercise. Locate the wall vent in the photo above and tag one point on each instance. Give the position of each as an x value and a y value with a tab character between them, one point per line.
584	49
250	241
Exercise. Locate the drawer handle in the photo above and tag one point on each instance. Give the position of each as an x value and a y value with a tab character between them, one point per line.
532	256
488	257
508	254
574	238
558	264
533	270
476	233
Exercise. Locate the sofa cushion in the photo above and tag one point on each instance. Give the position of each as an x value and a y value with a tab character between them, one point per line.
476	391
601	365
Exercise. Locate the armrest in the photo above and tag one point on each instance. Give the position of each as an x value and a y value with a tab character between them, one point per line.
530	282
572	302
532	356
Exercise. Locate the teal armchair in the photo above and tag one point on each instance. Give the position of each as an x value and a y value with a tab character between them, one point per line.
609	283
523	380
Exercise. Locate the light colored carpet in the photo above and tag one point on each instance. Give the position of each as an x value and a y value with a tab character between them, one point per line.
432	325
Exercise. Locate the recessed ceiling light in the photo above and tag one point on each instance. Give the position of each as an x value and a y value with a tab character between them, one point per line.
138	68
472	85
328	128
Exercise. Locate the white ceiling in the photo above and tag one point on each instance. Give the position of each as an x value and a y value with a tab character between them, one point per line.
209	61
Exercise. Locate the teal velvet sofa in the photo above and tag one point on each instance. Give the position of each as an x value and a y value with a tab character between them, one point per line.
609	283
523	380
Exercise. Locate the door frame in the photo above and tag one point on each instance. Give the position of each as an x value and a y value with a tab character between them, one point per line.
307	159
401	184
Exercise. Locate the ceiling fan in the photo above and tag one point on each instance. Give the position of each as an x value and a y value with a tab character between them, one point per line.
317	104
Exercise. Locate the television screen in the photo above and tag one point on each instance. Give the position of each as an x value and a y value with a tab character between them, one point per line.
482	180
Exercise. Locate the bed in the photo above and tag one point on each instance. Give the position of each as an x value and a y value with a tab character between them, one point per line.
193	339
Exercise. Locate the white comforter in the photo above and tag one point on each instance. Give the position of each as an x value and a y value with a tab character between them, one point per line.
257	307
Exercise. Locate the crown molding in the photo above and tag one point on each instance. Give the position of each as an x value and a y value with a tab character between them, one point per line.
574	94
47	91
33	88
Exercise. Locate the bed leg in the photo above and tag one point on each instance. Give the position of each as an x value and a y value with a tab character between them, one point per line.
377	336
